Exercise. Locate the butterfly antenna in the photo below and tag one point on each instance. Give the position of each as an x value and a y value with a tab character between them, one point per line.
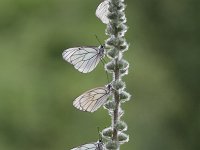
98	39
100	137
104	62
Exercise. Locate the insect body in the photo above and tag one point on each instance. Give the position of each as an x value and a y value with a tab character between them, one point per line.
85	59
91	100
99	145
102	11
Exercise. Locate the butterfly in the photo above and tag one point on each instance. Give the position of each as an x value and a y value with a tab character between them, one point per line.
102	11
99	145
93	99
85	59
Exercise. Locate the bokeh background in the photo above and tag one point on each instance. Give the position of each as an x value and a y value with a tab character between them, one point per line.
37	86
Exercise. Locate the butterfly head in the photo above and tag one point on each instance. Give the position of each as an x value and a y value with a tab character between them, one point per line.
100	144
109	86
102	50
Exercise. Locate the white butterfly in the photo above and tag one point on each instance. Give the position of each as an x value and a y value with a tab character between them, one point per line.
91	100
99	145
84	59
102	11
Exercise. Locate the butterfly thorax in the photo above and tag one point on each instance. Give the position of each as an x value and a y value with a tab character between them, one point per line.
100	145
101	50
109	86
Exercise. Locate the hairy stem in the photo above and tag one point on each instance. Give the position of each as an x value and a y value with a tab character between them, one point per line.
116	110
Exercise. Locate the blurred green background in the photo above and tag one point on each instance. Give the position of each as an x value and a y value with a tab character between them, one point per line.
37	86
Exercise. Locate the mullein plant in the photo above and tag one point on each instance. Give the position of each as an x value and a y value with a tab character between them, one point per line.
85	59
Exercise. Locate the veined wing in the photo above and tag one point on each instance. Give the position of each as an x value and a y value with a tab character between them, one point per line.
84	59
102	11
91	100
91	146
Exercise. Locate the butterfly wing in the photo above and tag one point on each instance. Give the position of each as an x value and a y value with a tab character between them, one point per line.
91	100
91	146
102	11
84	59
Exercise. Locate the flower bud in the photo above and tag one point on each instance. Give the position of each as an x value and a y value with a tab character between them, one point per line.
122	137
122	27
107	133
110	105
119	84
112	145
123	72
121	126
113	53
124	96
112	16
110	66
123	64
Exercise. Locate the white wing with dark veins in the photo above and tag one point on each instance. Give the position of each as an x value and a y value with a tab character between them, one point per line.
102	11
93	99
84	59
91	146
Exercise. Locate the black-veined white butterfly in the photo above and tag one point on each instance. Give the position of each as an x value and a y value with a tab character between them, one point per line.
99	145
102	11
91	100
85	59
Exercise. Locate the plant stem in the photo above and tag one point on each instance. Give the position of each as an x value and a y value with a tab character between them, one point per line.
116	110
116	45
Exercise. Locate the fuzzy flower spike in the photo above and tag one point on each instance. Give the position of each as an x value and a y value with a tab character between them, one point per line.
116	45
